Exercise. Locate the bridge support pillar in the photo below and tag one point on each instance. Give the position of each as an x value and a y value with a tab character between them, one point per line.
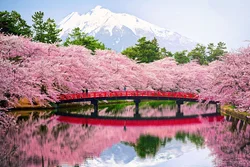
179	113
217	107
95	104
137	101
56	107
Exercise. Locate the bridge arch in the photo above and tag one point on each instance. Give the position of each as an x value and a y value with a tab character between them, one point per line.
136	96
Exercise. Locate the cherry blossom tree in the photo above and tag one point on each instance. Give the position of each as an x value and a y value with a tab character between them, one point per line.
43	71
231	79
49	70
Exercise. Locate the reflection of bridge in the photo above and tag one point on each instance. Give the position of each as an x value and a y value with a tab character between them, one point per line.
137	96
143	121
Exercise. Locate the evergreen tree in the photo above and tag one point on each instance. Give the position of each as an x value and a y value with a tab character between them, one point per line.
204	55
80	38
199	54
181	57
165	53
148	50
145	51
38	27
169	54
131	52
52	33
45	32
12	23
216	51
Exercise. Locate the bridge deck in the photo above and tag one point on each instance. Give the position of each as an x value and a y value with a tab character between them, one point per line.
119	95
127	95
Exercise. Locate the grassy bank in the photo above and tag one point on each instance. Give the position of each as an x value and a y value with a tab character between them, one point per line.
228	110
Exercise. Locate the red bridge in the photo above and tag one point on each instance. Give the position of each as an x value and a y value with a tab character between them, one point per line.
137	96
111	95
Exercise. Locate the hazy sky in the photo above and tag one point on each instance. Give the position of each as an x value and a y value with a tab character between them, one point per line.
201	20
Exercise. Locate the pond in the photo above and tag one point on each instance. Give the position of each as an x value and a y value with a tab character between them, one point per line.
200	137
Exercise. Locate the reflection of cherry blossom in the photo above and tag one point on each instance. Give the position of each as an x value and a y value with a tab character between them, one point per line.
230	148
8	145
52	142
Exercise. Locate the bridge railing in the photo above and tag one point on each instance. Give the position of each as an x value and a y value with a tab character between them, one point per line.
91	95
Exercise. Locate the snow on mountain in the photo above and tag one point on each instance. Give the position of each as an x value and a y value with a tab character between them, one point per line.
121	155
119	30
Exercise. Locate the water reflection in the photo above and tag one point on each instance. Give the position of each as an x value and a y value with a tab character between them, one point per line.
229	144
148	145
48	141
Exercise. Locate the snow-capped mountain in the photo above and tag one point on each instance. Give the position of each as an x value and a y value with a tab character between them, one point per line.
119	30
174	153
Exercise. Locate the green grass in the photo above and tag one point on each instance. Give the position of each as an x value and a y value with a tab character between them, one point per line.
158	103
115	108
190	103
230	110
118	106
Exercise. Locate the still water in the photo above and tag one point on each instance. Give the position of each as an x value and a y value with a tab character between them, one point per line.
43	139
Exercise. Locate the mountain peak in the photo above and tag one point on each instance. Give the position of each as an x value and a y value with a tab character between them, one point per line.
98	7
120	30
100	10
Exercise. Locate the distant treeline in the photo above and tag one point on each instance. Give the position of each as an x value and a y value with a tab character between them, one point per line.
144	51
